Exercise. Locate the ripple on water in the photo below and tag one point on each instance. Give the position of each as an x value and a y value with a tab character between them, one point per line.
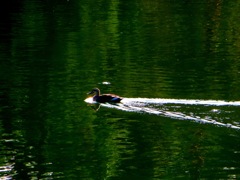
156	107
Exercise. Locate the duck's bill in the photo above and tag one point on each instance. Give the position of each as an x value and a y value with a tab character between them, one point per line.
90	92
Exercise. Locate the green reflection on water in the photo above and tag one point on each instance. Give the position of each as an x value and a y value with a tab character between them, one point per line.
55	52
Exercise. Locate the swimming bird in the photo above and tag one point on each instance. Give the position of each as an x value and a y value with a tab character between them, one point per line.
112	98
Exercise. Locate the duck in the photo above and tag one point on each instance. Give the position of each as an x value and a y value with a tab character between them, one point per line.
111	98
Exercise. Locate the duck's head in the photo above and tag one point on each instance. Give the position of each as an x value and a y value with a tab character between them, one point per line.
94	91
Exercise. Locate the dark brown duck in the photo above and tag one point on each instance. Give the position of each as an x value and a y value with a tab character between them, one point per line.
111	98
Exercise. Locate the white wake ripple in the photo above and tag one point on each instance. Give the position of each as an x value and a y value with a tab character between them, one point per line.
144	105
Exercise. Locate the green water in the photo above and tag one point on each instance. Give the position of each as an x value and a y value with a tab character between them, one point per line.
159	55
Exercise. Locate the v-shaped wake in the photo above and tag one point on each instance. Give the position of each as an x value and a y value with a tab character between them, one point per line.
155	106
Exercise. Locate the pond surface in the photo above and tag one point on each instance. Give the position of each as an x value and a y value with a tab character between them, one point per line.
176	64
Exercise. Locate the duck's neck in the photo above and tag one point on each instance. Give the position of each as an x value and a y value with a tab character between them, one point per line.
97	93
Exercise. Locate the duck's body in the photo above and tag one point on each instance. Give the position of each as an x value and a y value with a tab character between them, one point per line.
111	98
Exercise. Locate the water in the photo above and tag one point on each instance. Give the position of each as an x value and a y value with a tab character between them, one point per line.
175	63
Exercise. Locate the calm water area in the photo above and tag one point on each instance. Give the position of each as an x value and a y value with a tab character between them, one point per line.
175	63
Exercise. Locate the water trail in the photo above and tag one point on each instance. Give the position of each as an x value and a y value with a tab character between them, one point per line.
182	101
144	105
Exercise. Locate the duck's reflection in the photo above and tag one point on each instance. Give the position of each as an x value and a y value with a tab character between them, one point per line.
95	107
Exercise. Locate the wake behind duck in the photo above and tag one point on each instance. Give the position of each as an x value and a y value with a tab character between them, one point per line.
165	107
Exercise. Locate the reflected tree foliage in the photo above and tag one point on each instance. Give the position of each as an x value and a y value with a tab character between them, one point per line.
58	50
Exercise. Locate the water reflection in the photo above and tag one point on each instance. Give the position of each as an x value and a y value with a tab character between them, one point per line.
52	52
158	107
